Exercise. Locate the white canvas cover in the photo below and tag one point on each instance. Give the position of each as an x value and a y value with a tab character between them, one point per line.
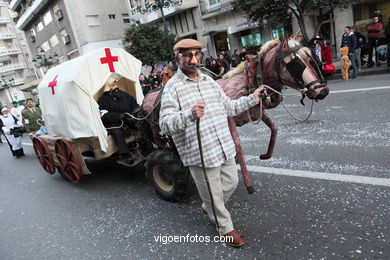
67	92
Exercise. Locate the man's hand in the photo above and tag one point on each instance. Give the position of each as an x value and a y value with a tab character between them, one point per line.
198	109
256	94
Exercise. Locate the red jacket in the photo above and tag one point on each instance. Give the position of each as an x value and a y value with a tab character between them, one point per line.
374	30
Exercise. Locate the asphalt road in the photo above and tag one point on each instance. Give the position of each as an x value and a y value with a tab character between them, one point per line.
325	194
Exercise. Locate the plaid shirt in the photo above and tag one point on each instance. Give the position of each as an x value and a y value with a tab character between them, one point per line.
179	96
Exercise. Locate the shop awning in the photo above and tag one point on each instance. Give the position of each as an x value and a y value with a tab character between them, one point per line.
30	85
212	32
241	27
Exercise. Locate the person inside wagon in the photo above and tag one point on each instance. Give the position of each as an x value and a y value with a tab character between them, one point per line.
115	106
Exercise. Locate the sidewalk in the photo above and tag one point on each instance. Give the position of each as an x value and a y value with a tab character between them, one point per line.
365	71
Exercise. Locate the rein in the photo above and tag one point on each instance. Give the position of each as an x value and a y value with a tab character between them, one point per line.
254	75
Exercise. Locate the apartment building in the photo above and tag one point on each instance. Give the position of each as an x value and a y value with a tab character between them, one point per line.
64	29
212	22
14	66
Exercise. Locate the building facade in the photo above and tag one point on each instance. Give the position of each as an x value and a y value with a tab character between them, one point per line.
212	22
14	55
59	30
220	28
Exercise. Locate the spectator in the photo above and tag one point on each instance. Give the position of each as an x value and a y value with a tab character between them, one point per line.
345	39
154	80
327	59
16	111
31	115
360	39
166	74
387	34
225	67
344	63
145	84
215	67
235	59
243	54
317	47
374	33
226	56
352	52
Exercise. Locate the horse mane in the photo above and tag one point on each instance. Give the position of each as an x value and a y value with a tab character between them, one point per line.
304	52
268	46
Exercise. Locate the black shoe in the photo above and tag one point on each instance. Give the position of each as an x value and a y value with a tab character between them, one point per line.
378	64
370	65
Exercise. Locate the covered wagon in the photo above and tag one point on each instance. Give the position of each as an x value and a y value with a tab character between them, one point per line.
68	96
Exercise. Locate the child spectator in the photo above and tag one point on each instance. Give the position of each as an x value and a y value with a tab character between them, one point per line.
345	63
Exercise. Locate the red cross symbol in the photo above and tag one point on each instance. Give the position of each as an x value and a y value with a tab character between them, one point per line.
52	84
109	59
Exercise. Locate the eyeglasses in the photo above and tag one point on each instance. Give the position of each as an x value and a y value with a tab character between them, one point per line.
190	54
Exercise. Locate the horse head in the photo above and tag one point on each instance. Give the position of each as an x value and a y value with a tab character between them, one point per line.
298	67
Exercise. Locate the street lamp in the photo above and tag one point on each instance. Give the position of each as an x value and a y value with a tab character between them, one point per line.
7	85
41	61
154	6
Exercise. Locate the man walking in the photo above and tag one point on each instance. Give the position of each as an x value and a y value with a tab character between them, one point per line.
191	95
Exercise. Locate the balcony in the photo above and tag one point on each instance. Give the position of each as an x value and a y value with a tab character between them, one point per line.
13	51
12	67
18	82
153	16
14	4
4	20
30	14
7	36
217	8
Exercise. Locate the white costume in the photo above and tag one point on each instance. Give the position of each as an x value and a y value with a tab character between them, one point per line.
17	112
15	143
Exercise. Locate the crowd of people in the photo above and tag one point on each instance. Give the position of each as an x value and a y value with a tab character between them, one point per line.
16	121
156	79
359	49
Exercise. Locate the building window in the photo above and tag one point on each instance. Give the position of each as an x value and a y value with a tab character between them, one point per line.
54	40
65	36
57	12
45	46
47	18
126	20
93	20
40	26
111	16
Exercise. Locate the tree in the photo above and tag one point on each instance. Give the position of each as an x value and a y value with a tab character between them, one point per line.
148	43
280	11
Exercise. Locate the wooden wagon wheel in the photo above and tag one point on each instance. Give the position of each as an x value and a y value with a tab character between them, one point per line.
68	159
44	155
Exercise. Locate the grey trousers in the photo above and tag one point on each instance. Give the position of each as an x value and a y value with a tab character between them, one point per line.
223	182
357	57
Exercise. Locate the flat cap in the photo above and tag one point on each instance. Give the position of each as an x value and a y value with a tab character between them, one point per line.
186	44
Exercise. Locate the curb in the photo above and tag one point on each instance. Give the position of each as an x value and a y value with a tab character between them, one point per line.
364	72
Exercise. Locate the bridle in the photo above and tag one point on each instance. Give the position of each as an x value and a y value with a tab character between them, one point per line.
280	55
